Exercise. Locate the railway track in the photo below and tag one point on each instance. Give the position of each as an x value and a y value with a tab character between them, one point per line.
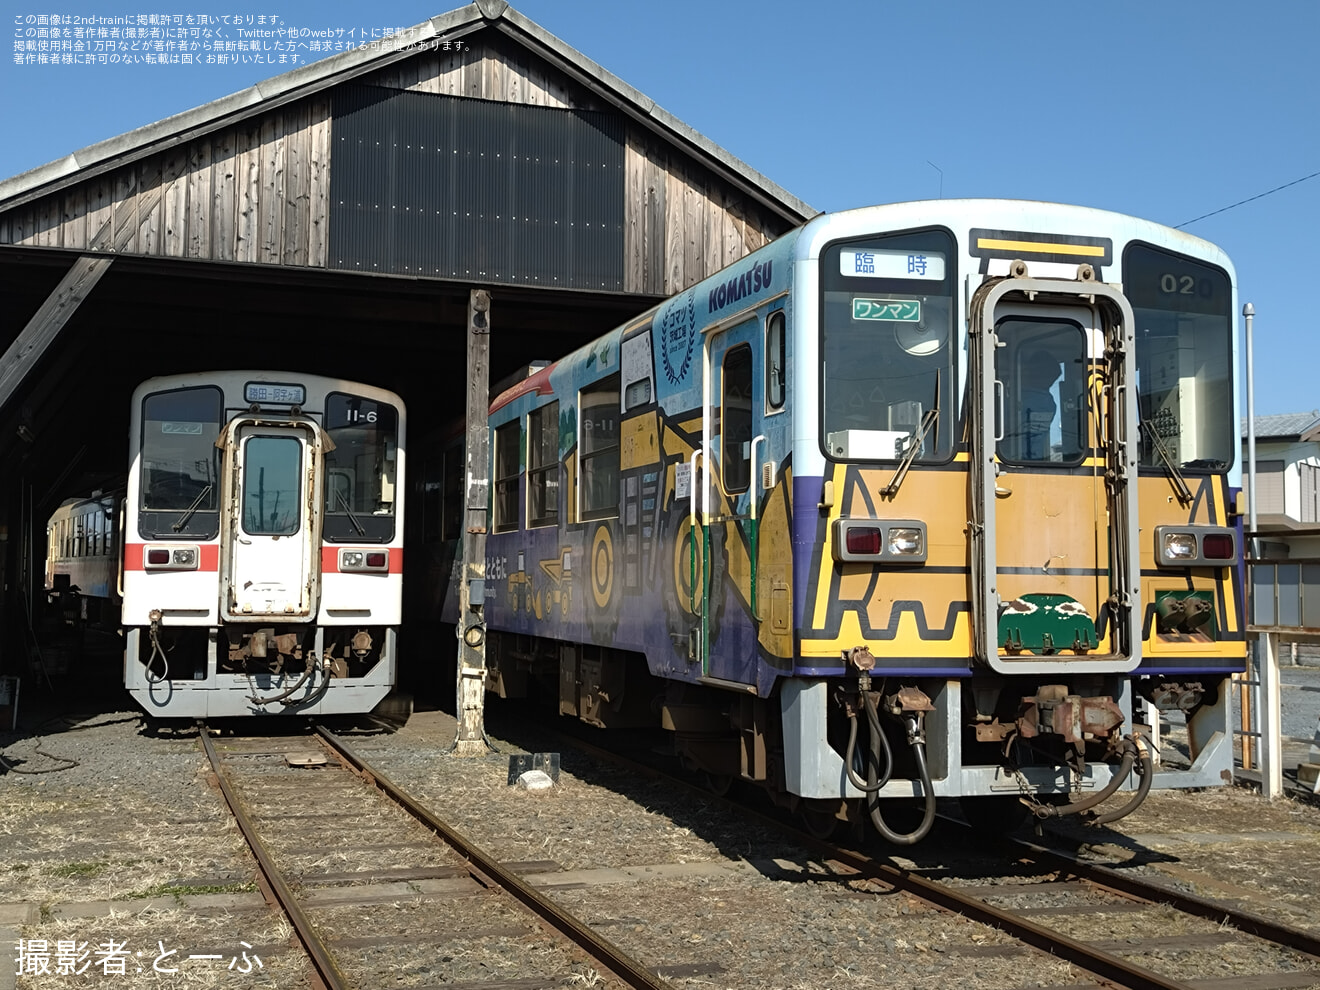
1071	889
349	921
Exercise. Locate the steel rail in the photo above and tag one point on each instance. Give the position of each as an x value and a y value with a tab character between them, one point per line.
322	962
1104	876
631	972
1106	965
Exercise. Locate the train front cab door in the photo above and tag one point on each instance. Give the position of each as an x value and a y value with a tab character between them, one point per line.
272	570
1059	547
733	407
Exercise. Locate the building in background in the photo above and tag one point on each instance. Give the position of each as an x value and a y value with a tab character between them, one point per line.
1288	500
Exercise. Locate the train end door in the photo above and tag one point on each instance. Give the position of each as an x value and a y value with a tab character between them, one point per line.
1054	476
271	530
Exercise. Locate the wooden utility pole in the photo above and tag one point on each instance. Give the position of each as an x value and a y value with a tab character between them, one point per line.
471	706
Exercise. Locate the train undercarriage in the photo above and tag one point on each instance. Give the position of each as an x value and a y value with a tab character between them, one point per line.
233	670
869	748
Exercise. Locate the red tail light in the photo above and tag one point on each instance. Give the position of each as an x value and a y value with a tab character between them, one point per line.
158	556
377	559
1217	546
864	539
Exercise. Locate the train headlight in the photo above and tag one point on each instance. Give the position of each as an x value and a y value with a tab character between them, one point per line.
364	560
1195	546
906	541
1179	546
880	541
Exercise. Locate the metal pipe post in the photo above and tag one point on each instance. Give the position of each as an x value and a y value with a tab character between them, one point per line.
1248	313
1271	719
1268	707
1249	698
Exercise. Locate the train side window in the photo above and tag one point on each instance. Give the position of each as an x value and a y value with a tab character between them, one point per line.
598	449
452	509
508	455
432	501
736	419
543	466
638	376
776	357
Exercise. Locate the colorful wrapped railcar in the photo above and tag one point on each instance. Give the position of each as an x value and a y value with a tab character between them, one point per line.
920	500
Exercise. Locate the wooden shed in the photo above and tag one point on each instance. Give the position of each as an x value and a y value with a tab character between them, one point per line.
335	219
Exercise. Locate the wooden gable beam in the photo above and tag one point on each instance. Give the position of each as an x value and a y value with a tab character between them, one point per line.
31	343
46	324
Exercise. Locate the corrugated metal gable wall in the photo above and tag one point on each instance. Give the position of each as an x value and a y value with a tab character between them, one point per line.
451	187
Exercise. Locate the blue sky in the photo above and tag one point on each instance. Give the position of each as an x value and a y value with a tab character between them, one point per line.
1167	110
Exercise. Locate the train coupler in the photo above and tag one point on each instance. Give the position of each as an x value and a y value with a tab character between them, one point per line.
1053	711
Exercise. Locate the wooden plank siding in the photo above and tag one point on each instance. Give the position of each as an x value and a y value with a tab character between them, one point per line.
200	201
243	194
258	191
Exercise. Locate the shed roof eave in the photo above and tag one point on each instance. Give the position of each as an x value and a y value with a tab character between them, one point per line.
307	80
660	119
184	126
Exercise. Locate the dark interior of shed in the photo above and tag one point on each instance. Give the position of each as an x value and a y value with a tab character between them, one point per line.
65	431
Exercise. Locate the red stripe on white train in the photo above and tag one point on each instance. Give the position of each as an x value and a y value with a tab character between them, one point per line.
205	557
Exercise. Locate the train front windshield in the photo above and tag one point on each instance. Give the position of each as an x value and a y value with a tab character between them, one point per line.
180	464
886	326
1183	310
361	471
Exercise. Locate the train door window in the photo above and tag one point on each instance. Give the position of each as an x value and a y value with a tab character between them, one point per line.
179	480
508	458
361	471
451	495
1041	368
598	449
776	358
543	466
272	486
736	419
635	365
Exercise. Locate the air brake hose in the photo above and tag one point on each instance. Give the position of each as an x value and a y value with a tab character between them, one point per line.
1091	800
157	651
873	720
289	692
928	819
1146	770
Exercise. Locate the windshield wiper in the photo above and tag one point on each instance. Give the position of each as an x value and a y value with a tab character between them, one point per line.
349	509
915	442
188	512
1175	476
